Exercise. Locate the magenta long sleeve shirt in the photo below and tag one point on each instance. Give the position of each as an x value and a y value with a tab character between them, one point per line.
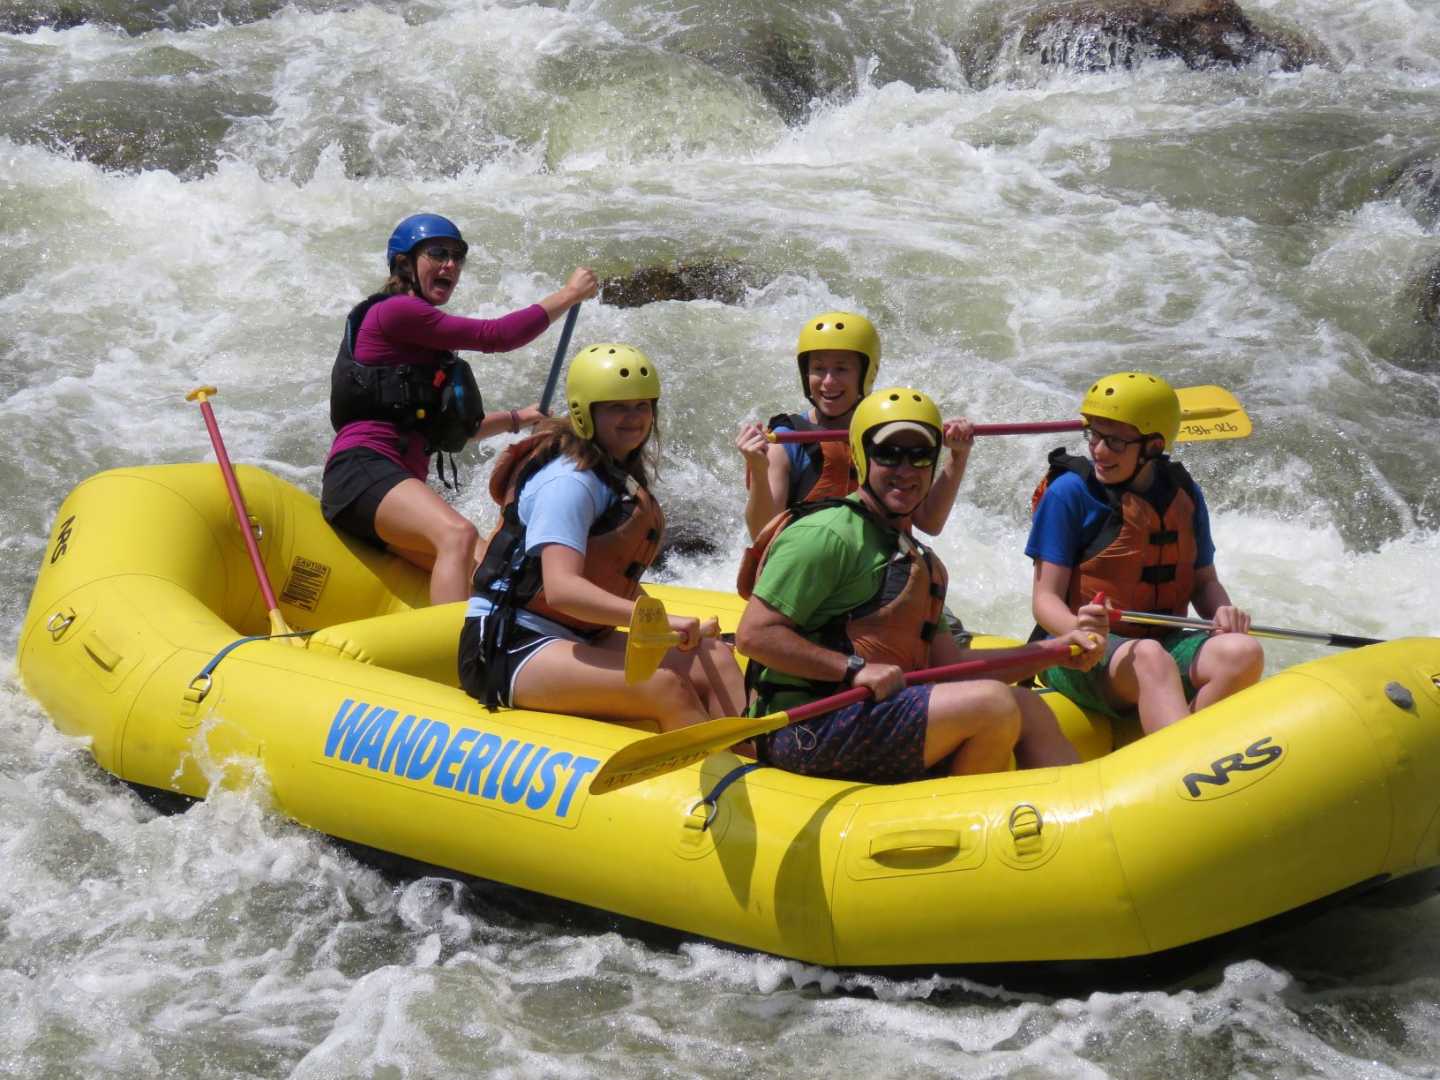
409	330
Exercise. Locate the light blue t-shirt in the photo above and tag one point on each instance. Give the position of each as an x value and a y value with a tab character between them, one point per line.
557	505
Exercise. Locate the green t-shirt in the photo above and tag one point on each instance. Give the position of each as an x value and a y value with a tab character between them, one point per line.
821	566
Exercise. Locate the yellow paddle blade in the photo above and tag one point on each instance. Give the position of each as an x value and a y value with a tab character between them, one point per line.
660	754
1211	412
649	640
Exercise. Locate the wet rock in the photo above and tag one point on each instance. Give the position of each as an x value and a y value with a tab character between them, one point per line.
140	125
1416	185
1429	288
1096	35
714	279
685	540
788	72
27	16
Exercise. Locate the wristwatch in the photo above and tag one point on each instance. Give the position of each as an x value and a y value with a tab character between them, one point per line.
853	664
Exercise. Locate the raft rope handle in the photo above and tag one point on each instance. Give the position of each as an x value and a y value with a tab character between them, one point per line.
713	799
197	693
58	623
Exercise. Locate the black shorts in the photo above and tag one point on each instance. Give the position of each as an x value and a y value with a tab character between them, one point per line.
355	482
520	644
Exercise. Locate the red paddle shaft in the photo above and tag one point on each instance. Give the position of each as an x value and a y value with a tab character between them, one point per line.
840	434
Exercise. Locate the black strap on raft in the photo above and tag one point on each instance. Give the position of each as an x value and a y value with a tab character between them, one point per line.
200	684
713	799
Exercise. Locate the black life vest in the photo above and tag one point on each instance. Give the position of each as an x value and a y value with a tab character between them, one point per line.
439	401
826	471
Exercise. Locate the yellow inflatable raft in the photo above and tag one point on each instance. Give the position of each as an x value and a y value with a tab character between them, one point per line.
1321	779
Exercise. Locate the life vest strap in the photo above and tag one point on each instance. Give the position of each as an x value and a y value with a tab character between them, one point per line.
1158	575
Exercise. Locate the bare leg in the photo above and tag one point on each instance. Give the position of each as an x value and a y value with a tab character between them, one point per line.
1042	743
419	524
1142	673
1225	664
974	724
714	674
589	680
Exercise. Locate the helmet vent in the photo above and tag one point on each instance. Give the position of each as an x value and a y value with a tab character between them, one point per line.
839	326
624	372
644	371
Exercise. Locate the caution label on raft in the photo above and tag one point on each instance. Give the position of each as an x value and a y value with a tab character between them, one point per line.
465	763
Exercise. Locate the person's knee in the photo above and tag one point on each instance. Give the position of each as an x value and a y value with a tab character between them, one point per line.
455	534
671	692
1238	658
996	704
1152	661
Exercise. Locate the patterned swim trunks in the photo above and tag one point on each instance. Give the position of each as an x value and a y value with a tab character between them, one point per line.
876	742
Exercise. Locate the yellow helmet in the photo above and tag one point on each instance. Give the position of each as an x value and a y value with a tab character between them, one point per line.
607	372
839	330
897	404
1144	401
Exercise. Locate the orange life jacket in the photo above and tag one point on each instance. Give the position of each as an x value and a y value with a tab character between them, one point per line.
1143	555
897	624
827	471
623	542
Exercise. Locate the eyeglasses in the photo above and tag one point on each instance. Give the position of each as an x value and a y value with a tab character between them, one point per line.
919	457
441	254
1114	443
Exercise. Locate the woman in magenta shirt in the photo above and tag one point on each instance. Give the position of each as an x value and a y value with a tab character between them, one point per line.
374	486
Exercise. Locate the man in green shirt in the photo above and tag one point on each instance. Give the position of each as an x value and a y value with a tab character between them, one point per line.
846	596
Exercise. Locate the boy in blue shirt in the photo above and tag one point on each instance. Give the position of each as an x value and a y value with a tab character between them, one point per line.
1127	528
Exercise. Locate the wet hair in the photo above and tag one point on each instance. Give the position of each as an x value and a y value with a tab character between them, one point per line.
642	462
402	280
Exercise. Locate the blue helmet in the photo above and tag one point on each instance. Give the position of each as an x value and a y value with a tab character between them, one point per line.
417	228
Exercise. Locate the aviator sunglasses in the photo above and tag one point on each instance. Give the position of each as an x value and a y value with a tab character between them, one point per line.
441	254
890	456
1115	443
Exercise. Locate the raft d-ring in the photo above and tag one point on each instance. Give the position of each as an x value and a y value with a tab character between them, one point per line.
199	687
1031	825
692	821
58	623
256	529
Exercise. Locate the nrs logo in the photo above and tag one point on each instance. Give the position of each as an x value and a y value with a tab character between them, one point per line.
1234	772
62	540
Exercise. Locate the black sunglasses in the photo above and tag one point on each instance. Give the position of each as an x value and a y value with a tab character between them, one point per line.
441	254
1115	443
890	456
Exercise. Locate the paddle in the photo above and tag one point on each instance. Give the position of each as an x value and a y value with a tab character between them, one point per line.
555	365
1207	413
650	638
242	516
671	750
1339	641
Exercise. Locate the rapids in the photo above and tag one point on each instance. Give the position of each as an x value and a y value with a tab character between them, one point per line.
196	191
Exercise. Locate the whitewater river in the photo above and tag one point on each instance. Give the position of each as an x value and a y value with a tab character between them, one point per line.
196	192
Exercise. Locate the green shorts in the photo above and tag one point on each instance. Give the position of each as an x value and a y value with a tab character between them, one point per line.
1090	689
